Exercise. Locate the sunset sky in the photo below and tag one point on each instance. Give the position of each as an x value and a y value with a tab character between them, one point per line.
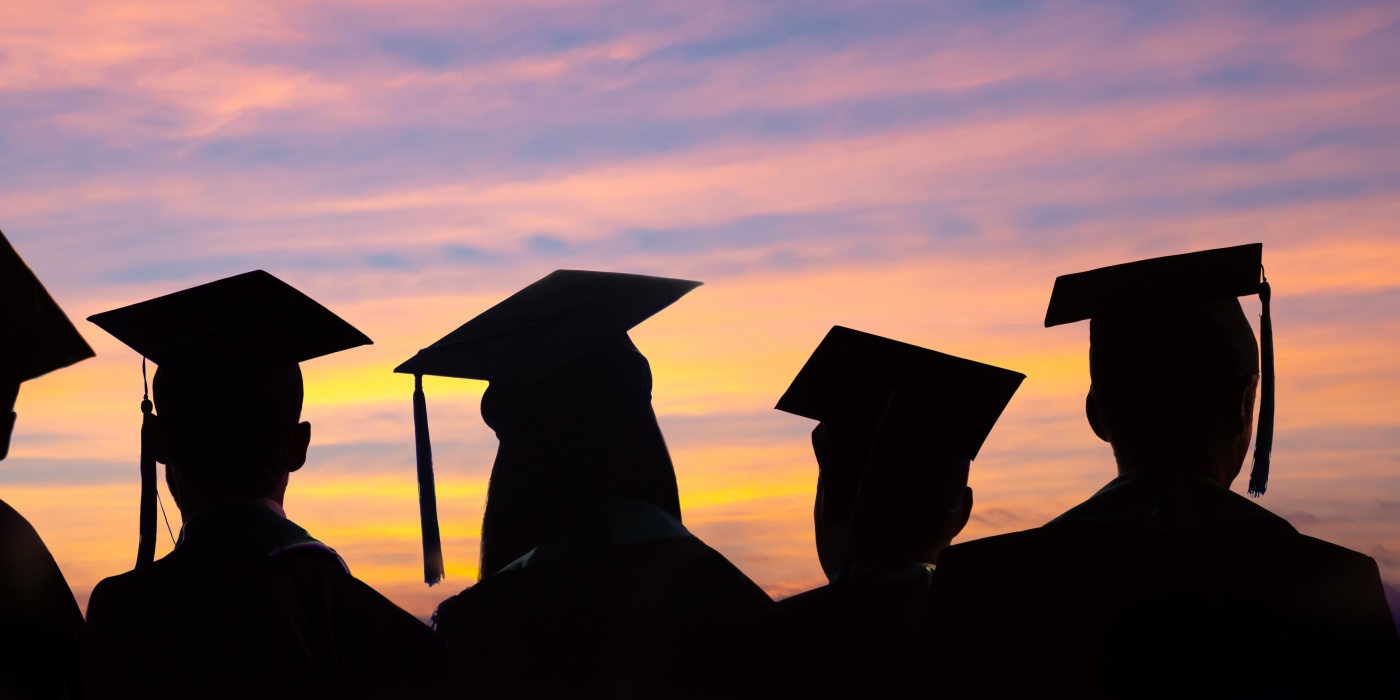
920	170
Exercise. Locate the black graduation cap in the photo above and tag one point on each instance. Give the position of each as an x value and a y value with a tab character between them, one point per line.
525	339
859	377
854	373
1179	281
36	337
242	325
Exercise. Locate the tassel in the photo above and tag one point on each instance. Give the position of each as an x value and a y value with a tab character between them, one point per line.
146	546
1264	441
427	492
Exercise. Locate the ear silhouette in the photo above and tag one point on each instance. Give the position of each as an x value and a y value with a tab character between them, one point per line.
9	395
1093	410
7	428
964	511
298	442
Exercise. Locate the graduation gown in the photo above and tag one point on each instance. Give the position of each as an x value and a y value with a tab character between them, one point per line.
1163	584
852	639
628	604
250	605
39	620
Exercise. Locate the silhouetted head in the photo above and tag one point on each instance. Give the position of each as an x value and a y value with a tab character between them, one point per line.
900	425
226	434
1173	362
9	393
228	386
586	434
1174	386
907	488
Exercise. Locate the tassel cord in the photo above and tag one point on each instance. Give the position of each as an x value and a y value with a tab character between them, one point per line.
146	546
433	571
1264	437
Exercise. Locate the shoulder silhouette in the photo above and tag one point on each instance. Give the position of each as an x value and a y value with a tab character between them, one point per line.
590	585
1165	583
39	619
248	603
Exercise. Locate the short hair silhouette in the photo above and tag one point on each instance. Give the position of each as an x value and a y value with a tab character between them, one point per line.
276	612
216	337
224	431
1164	375
1142	589
1167	334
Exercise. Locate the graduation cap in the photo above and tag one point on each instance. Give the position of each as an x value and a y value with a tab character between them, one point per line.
240	326
863	378
36	337
525	339
854	373
1181	281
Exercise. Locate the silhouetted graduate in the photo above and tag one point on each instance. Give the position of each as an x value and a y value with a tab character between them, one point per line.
590	585
39	619
1165	583
900	425
248	604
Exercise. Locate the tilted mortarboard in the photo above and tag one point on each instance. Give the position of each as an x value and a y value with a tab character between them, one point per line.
855	372
242	326
854	375
1176	281
36	337
525	339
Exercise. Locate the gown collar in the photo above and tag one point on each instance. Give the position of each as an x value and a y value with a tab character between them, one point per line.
614	522
254	525
1166	500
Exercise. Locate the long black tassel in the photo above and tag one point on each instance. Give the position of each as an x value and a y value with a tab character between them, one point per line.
1264	442
146	547
427	491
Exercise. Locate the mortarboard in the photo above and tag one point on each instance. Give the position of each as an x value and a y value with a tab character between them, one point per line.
1180	281
241	325
852	372
525	339
36	337
859	376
